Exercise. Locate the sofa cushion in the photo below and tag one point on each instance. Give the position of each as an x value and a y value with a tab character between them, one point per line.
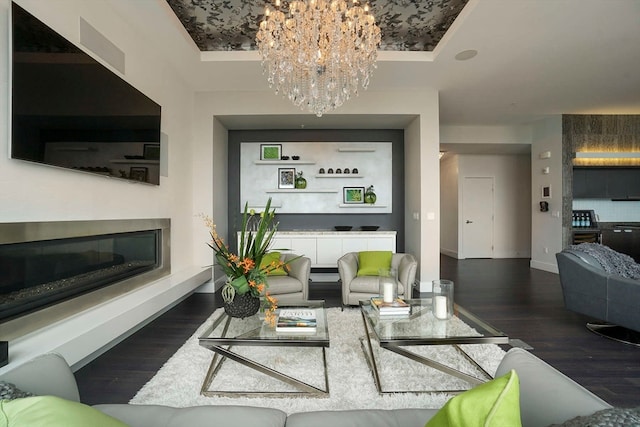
272	258
283	285
52	411
195	416
494	403
370	285
370	262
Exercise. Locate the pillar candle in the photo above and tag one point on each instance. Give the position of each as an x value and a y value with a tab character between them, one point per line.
387	295
440	307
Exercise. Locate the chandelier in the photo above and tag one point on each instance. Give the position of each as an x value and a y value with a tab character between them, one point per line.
319	52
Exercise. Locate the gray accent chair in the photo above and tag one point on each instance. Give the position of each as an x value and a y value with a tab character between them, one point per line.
588	289
357	288
293	287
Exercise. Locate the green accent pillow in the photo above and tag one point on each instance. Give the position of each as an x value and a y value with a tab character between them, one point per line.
267	259
52	411
370	262
493	404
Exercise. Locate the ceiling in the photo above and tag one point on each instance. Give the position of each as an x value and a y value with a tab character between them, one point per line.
536	58
232	25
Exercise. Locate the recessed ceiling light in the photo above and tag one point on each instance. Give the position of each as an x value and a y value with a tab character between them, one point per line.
466	54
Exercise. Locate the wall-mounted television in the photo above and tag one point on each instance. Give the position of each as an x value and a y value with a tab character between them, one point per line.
70	111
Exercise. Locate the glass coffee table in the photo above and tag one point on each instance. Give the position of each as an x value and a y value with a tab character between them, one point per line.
404	334
227	334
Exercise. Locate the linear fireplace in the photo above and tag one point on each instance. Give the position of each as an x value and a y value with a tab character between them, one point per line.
53	269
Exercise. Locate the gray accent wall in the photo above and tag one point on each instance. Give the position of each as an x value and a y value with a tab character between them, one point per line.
321	221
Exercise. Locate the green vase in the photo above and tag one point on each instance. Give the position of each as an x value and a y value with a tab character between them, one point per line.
301	182
370	197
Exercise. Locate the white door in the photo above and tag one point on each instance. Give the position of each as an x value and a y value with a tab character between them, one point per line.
477	217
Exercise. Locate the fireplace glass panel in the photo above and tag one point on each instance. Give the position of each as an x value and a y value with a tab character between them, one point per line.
40	273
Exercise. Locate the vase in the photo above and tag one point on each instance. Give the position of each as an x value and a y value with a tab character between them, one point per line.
370	197
242	306
301	182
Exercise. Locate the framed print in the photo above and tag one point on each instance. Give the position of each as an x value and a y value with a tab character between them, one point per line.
353	195
137	173
546	192
286	177
151	151
270	151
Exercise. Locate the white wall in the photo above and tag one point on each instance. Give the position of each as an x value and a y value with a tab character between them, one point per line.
31	192
511	201
449	205
546	227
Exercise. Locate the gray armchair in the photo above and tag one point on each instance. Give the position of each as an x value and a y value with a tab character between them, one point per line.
293	287
356	288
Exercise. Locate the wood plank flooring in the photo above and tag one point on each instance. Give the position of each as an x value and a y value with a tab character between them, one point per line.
524	303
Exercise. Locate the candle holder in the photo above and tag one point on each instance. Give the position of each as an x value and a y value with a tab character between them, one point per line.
388	284
442	299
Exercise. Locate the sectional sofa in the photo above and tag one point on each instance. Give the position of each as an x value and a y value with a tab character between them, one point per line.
546	397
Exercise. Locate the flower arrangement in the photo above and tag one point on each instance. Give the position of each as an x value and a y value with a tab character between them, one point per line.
244	268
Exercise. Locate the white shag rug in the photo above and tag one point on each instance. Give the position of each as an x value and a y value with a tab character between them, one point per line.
351	383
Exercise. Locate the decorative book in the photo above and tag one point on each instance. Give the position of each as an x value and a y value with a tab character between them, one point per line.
296	320
396	307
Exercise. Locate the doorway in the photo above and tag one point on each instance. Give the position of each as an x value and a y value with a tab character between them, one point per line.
477	217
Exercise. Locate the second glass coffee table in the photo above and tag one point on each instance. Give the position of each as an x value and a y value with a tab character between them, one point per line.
226	333
421	328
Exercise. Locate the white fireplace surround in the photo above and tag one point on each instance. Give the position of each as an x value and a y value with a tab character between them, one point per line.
83	327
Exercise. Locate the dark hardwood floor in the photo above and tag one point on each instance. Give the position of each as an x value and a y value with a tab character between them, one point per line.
524	303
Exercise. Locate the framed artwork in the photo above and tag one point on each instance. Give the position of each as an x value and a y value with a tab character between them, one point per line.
286	177
138	173
353	195
151	151
546	192
270	151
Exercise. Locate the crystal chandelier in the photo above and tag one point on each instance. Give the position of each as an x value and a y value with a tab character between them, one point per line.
318	53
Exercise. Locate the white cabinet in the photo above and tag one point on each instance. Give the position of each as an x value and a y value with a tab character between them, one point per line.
329	250
324	248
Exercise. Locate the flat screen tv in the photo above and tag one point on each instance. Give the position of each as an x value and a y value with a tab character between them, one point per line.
70	111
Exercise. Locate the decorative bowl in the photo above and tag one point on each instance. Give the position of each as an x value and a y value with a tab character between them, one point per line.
369	227
295	157
343	227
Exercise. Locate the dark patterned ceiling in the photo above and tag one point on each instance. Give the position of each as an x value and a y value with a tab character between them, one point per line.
227	25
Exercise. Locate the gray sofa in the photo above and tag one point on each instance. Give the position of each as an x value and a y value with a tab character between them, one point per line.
547	396
593	284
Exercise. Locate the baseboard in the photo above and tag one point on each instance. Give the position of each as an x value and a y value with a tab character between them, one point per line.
546	266
449	252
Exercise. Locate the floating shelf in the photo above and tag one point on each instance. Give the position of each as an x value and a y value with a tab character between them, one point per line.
357	150
339	175
135	161
361	205
299	190
283	162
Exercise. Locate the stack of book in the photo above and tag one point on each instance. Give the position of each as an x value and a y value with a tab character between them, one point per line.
296	320
397	307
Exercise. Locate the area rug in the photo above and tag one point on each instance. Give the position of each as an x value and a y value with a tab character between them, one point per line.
351	383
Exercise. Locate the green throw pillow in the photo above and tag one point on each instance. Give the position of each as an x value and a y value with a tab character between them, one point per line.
52	411
493	404
370	262
270	257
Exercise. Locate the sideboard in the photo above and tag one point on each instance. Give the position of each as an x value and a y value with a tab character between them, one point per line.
324	247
